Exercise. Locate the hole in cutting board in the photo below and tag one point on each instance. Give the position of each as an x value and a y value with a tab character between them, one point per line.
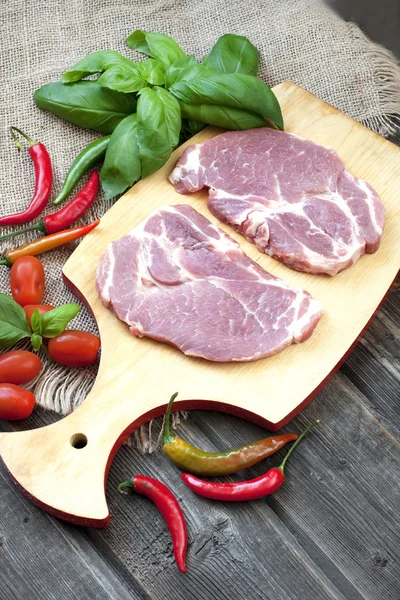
78	440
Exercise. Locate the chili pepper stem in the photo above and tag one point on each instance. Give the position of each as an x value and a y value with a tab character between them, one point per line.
167	436
6	262
37	227
17	142
126	484
303	435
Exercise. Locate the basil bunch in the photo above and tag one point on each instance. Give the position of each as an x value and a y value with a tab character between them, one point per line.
14	325
150	107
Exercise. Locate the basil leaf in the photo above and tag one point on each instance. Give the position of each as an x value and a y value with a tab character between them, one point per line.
36	341
36	322
85	103
189	129
123	79
233	54
185	69
11	334
97	62
194	126
122	165
14	325
152	71
172	115
155	45
55	321
222	116
235	90
152	130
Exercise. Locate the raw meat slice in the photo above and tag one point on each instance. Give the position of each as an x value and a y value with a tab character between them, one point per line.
291	197
178	279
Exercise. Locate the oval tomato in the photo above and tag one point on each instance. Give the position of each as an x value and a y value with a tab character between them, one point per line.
19	366
74	348
42	308
15	402
27	280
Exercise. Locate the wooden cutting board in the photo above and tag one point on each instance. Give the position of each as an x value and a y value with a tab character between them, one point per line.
63	467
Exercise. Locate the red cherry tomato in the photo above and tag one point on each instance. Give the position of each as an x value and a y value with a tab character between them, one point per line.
74	348
19	366
15	402
27	280
42	308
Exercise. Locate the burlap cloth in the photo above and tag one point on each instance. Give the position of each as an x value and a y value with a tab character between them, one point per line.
299	40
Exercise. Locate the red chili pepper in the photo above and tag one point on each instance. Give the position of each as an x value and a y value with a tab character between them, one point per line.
67	215
44	177
46	243
64	217
168	506
251	489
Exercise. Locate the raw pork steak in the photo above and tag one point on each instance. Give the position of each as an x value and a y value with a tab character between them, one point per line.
294	199
178	279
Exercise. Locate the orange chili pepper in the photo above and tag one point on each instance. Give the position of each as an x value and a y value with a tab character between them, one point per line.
46	243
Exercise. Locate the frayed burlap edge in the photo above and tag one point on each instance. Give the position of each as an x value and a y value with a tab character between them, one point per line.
386	74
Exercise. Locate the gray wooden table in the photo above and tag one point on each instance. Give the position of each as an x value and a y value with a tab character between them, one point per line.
332	530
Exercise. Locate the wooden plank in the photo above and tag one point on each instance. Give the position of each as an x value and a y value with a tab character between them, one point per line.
348	513
43	558
374	365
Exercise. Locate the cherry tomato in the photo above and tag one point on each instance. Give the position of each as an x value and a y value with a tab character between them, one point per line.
15	402
42	308
19	366
74	348
27	280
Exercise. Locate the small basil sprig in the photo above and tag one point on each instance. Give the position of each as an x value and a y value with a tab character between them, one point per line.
55	321
87	104
14	325
51	323
233	54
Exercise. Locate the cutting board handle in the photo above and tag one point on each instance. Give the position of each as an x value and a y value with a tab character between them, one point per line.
63	467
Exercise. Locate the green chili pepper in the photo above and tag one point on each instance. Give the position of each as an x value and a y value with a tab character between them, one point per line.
194	460
90	156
